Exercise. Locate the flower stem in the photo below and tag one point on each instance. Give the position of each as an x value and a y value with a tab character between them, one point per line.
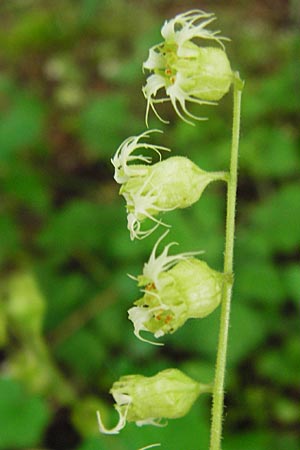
218	391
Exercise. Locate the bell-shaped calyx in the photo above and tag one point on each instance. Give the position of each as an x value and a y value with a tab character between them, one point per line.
149	189
176	288
147	400
173	183
189	66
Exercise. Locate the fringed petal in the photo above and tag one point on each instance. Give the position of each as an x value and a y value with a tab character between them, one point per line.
160	263
139	316
150	446
120	425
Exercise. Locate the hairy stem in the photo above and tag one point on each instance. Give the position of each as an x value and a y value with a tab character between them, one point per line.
218	391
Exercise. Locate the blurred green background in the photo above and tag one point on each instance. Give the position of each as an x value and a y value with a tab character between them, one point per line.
70	92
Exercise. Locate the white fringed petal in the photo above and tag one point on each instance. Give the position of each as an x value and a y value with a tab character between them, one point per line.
153	422
163	262
139	316
178	55
155	60
120	425
123	158
150	446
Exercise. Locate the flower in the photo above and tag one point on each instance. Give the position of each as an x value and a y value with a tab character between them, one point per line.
147	400
173	183
123	156
176	288
151	189
187	71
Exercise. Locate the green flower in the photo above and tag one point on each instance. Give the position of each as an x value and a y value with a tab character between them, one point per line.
186	69
151	189
176	288
147	400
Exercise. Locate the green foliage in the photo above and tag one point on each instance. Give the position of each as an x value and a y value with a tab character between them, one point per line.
22	120
23	416
98	132
70	92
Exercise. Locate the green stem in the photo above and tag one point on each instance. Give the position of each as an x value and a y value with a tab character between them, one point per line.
218	391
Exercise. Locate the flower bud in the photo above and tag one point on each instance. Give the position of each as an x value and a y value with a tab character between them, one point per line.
188	72
146	400
177	288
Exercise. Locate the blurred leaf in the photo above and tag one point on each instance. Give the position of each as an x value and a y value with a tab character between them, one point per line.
70	86
259	280
64	293
25	304
110	323
291	280
287	411
251	246
78	228
282	366
92	353
277	218
247	441
248	329
102	127
202	371
27	186
3	325
34	30
84	415
21	126
12	237
32	365
23	417
272	95
201	227
285	440
200	336
270	152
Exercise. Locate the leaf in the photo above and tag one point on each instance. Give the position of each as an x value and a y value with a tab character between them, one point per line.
291	281
25	304
198	335
259	280
21	126
247	441
92	353
64	293
12	237
102	125
82	226
277	218
23	417
27	186
248	330
84	415
269	152
282	366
